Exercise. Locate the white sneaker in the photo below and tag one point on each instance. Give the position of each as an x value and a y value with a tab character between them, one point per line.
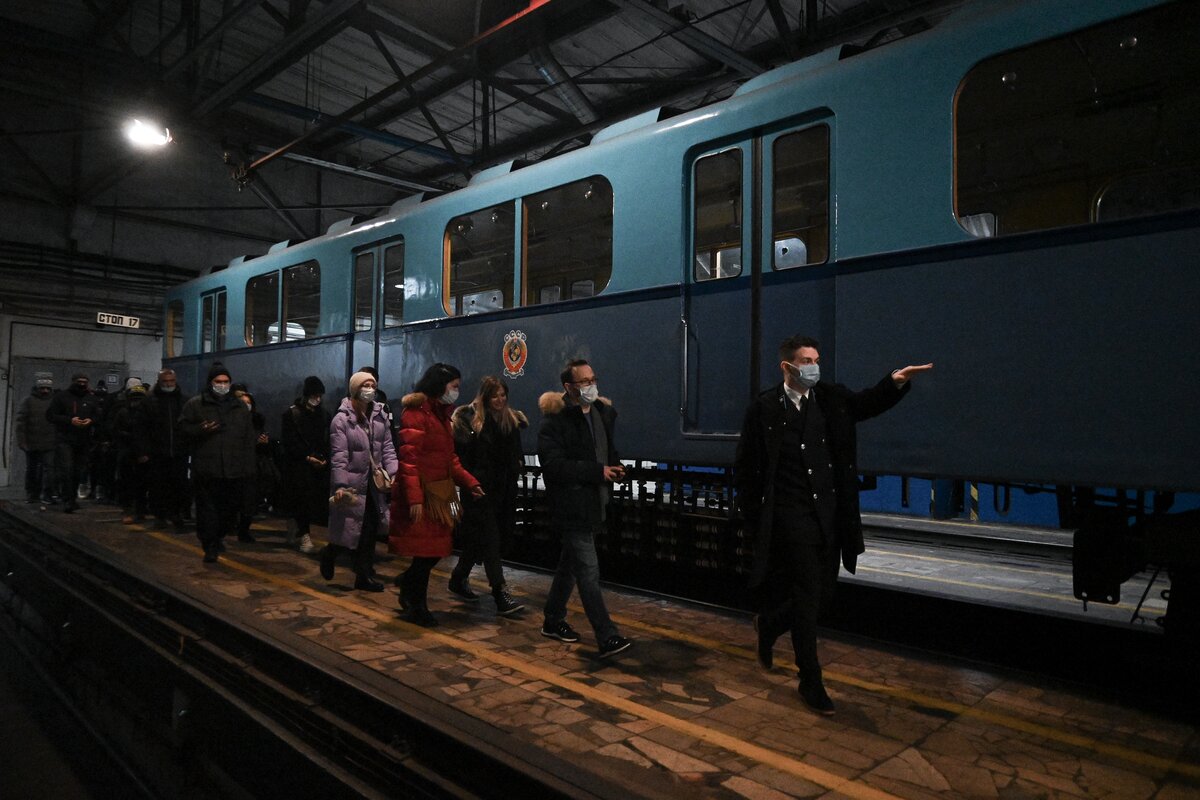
306	544
83	491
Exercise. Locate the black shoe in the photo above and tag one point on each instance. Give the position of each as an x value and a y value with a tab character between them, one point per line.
613	645
505	604
766	644
365	584
814	696
328	559
561	631
246	536
462	588
418	614
211	554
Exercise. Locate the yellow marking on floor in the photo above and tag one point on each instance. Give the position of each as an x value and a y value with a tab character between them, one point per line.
829	780
714	737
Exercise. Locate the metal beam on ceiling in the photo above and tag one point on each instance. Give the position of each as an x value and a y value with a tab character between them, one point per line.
211	37
692	37
782	28
280	56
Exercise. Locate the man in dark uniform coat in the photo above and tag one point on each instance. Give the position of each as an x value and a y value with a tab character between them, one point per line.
796	477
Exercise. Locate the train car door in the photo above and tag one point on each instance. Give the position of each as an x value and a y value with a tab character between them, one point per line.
718	292
377	299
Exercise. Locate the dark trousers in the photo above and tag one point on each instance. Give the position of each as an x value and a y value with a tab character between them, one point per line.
414	582
132	479
579	565
169	491
364	553
804	568
483	521
39	473
70	467
218	501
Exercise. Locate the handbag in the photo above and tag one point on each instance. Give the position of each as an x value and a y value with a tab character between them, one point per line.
441	501
379	477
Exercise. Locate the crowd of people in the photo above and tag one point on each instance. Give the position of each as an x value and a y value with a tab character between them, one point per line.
418	474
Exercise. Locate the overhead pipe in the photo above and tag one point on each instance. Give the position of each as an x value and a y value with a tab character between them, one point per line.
557	78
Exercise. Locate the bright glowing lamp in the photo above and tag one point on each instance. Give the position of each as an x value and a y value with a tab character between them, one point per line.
147	134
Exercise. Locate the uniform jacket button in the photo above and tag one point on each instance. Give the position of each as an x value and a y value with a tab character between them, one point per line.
814	495
810	472
801	445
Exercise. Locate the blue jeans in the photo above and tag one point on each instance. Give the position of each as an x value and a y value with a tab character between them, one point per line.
578	564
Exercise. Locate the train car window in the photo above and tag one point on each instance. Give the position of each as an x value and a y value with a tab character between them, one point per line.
302	300
364	291
212	322
173	330
568	240
393	285
717	216
800	198
1094	126
479	261
262	309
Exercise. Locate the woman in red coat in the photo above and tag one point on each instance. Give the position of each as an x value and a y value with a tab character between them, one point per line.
424	501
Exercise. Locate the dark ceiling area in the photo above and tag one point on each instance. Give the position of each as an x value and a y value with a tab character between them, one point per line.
298	112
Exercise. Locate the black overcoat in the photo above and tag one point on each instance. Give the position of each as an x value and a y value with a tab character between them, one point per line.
567	454
758	457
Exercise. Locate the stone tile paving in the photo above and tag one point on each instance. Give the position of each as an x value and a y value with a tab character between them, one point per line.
906	726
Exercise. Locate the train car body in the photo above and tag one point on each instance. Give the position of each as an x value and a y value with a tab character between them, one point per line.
901	204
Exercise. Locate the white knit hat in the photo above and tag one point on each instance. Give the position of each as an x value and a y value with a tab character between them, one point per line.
357	380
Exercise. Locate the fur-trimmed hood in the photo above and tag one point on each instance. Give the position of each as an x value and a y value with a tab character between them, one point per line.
553	402
462	421
414	400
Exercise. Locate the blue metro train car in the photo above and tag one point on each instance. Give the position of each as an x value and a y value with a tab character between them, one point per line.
1012	195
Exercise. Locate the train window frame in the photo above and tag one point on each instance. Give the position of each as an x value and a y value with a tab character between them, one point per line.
173	341
738	151
214	321
1107	106
454	301
251	319
294	328
395	285
783	247
559	231
356	298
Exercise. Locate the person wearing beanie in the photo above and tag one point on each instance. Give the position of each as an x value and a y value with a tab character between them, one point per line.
221	432
158	439
35	438
132	465
305	440
381	399
75	416
360	445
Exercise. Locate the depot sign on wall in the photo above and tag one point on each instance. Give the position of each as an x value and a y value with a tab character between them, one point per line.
119	320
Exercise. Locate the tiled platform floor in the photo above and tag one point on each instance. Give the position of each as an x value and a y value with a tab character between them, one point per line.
687	711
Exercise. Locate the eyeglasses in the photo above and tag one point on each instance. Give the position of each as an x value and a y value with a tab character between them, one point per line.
589	382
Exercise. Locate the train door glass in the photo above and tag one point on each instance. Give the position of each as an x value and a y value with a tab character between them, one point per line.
212	322
173	330
378	300
364	296
393	285
800	198
717	303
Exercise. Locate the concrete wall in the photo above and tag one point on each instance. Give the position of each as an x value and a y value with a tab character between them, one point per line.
42	339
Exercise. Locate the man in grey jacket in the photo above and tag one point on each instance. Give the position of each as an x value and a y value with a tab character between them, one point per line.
35	436
223	461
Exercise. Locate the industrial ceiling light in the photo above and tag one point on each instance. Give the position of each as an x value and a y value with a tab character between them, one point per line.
147	134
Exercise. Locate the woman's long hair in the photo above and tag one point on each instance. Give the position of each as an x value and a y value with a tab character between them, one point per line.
489	387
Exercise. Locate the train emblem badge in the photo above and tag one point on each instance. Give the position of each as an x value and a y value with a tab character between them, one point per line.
514	354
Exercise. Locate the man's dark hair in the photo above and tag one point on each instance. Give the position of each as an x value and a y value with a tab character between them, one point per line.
789	346
433	382
569	370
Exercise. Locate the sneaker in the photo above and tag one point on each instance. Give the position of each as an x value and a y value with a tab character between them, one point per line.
561	631
81	493
505	604
462	588
306	544
814	696
613	645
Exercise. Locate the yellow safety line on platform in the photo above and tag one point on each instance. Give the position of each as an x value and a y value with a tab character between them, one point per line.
733	744
829	780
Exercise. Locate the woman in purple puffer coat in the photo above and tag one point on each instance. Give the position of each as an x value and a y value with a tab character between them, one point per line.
359	439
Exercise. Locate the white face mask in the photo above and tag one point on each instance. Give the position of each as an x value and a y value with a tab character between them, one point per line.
589	394
366	395
220	389
450	397
807	375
